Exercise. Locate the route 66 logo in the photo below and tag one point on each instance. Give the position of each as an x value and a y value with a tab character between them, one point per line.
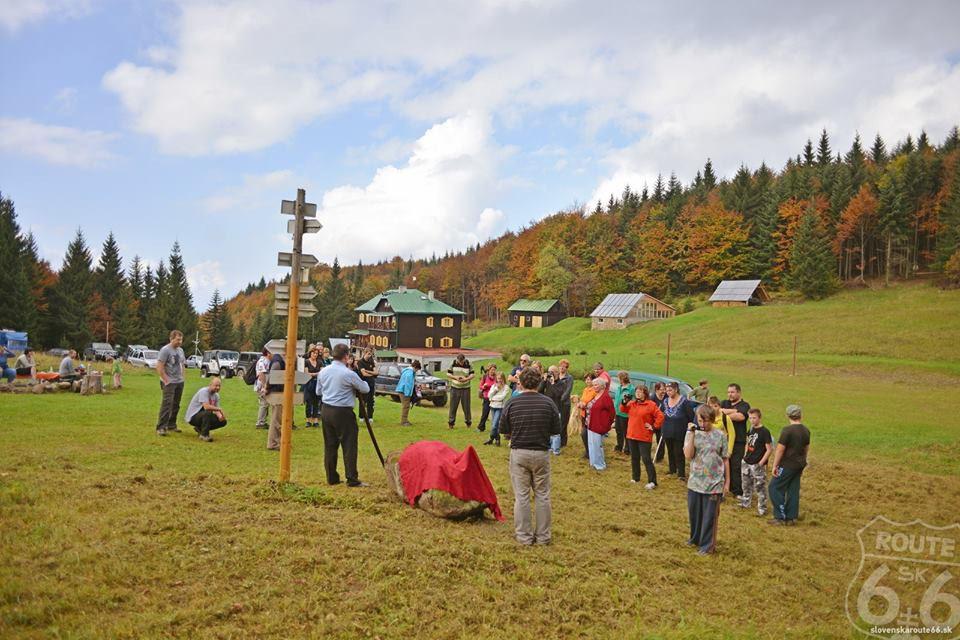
908	583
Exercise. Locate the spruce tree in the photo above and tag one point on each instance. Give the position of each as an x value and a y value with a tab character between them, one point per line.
808	157
709	177
948	240
335	316
762	238
109	274
878	152
857	162
135	278
126	328
217	325
180	313
15	296
37	272
658	189
824	154
812	264
72	300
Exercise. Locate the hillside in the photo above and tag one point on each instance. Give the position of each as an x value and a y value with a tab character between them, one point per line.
915	325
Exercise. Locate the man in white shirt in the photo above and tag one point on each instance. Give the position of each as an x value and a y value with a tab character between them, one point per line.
263	368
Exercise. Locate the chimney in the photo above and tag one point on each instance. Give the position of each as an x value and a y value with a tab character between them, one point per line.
402	289
429	295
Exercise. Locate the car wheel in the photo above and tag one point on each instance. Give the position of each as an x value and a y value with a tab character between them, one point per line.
395	397
223	372
241	372
203	372
439	401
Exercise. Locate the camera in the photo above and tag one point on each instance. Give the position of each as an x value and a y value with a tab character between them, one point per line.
626	397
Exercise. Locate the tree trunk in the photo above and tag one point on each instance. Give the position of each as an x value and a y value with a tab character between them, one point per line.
886	267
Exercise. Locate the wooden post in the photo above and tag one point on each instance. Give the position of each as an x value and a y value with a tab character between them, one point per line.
668	354
290	358
794	356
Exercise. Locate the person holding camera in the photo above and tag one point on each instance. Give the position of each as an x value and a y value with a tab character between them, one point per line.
553	388
643	418
706	449
488	377
626	388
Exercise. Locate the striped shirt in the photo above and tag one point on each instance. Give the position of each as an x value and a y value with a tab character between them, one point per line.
529	419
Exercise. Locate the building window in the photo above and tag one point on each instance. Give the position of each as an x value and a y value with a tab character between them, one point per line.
446	323
619	320
428	343
600	320
446	342
362	318
429	321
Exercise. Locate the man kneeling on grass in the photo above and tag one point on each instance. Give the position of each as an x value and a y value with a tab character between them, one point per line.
204	411
528	421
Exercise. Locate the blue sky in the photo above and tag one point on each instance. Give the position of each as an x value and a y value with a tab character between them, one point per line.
421	127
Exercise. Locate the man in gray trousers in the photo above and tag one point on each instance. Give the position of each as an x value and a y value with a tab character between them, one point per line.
528	421
170	363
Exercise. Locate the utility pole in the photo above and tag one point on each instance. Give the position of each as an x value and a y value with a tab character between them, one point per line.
293	308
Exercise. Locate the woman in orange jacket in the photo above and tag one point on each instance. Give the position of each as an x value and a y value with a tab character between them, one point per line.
643	418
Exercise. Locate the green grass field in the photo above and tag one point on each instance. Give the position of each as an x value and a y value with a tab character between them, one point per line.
109	531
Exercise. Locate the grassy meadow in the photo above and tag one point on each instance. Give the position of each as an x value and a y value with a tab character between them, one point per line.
110	531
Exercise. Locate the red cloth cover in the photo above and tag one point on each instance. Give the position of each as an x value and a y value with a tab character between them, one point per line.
436	465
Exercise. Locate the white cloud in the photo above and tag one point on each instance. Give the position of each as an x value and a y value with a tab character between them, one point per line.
204	278
254	191
17	13
54	144
429	204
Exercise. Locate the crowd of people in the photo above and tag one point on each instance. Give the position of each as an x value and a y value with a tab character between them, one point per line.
715	447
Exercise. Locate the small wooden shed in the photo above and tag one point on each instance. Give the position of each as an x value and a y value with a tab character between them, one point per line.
739	293
535	313
620	310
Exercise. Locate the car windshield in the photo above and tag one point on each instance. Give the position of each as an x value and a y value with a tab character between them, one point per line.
101	345
229	355
149	355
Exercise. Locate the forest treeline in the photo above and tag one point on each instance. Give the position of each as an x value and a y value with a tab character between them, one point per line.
827	218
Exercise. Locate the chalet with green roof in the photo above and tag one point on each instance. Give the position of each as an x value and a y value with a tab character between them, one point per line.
408	318
536	313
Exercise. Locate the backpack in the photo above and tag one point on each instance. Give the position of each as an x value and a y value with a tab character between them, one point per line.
250	375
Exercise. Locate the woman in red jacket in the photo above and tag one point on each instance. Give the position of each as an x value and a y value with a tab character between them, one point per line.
599	419
644	417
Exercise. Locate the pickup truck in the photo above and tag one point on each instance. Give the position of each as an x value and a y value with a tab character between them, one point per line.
99	351
431	388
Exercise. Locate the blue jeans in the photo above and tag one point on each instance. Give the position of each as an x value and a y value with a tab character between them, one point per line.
785	494
555	444
8	373
495	423
595	446
704	511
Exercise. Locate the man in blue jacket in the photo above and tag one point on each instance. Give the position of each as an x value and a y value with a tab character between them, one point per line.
408	390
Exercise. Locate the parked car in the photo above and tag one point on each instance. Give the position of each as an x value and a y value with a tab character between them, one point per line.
647	379
193	362
132	349
58	352
99	351
144	358
431	388
219	362
246	360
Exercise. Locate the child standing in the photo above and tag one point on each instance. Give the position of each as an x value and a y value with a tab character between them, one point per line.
753	471
706	449
117	372
498	394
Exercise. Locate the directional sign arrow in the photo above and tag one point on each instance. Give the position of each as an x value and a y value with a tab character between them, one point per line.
282	292
289	207
305	309
280	345
285	259
309	226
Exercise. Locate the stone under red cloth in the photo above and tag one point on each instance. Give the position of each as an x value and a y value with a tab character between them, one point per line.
436	465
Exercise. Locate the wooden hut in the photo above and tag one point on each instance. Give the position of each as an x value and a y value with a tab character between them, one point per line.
620	310
739	293
535	313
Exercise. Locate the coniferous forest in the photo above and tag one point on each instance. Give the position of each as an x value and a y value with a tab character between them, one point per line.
830	217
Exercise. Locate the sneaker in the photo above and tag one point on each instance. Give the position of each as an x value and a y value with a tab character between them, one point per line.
488	442
261	426
701	552
497	442
632	481
790	523
743	506
273	448
450	426
776	522
161	432
357	485
406	424
174	429
760	514
481	428
206	438
682	478
650	486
